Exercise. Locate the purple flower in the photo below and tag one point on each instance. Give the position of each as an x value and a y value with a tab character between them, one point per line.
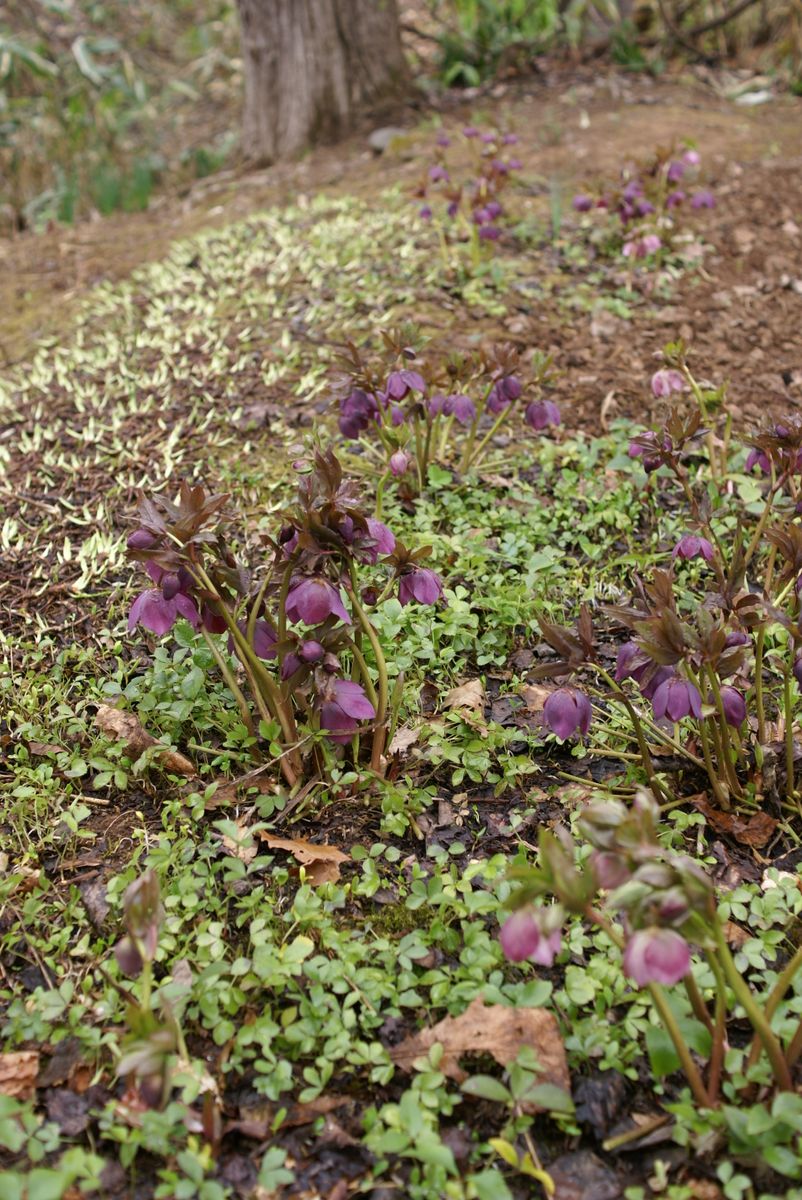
630	661
797	670
493	209
638	450
566	712
489	233
452	208
734	706
264	638
675	171
470	131
542	413
443	139
504	391
488	138
609	869
633	189
510	139
437	405
462	408
397	416
654	681
675	198
582	203
421	584
643	208
438	172
381	541
425	211
404	381
666	381
692	158
657	956
344	709
676	698
691	546
357	410
703	199
158	613
758	458
736	638
314	599
522	938
141	539
399	462
515	164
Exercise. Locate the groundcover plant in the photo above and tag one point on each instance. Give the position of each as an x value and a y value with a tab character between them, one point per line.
404	802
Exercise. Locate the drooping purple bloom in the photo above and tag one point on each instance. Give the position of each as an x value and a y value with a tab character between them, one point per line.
734	706
425	212
314	599
357	410
566	712
515	164
758	458
797	670
676	698
703	199
675	198
493	209
633	189
642	247
470	131
404	381
540	414
643	208
341	713
153	610
736	638
443	139
665	381
382	541
654	681
489	233
264	638
452	208
141	539
504	391
488	138
629	661
522	938
399	462
462	408
437	404
657	956
692	158
438	173
675	171
420	584
609	869
692	546
582	203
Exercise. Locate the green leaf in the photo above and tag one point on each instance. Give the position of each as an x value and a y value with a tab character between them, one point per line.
781	1159
550	1097
488	1088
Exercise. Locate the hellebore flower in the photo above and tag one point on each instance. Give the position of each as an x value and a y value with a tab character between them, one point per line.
676	698
542	413
610	869
657	956
437	405
582	203
470	131
421	584
797	670
437	173
489	233
643	208
675	171
691	546
443	139
264	638
675	198
488	138
734	706
345	709
637	450
504	392
630	661
736	638
425	211
401	382
566	712
692	158
633	189
493	209
461	408
703	199
397	416
313	600
666	381
758	458
515	164
399	462
357	410
660	676
158	613
522	938
382	539
141	539
452	208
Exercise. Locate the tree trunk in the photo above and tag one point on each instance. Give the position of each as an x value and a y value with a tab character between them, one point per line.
311	65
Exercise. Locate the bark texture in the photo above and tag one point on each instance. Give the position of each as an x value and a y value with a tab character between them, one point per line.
311	65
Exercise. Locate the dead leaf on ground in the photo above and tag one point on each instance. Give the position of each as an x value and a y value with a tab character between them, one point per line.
42	748
242	846
735	935
126	727
469	701
322	862
753	831
535	695
18	1072
490	1029
403	739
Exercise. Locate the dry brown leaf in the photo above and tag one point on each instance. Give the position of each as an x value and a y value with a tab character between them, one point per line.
239	846
490	1029
18	1072
322	862
403	739
753	831
126	727
469	701
535	695
735	935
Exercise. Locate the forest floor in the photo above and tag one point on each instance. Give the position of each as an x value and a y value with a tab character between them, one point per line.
199	339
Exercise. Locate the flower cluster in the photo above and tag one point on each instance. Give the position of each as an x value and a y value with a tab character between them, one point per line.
299	630
647	203
468	208
409	415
